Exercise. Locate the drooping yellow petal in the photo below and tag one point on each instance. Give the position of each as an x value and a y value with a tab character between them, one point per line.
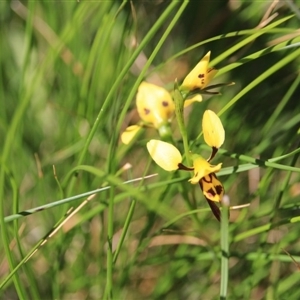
164	154
200	76
154	104
213	130
196	98
202	168
212	188
129	133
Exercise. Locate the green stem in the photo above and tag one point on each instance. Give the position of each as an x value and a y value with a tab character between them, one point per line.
125	229
224	248
179	104
110	231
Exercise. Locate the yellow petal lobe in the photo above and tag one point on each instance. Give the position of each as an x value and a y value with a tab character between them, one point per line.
164	154
213	130
129	133
196	98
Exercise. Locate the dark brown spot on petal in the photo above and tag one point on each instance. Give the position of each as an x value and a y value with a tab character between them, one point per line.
146	111
219	189
201	76
211	192
165	103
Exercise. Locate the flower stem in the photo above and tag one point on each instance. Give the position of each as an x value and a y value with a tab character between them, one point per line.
179	103
224	248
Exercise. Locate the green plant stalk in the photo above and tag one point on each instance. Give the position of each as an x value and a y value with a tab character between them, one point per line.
179	104
128	219
224	248
27	269
259	162
67	200
125	229
257	230
108	293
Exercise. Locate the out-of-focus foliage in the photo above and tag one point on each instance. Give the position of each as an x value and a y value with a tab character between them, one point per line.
69	73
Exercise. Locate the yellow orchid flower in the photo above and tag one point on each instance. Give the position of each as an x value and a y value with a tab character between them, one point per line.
200	76
154	104
164	154
169	158
213	130
202	168
155	107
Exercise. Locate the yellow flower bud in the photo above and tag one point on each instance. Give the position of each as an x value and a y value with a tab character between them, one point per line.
154	104
200	76
164	154
202	168
213	131
129	133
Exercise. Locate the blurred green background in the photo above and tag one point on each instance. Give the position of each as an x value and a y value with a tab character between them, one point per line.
69	72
